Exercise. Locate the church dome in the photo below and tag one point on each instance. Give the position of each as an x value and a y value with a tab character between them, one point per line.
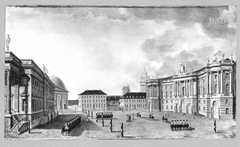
58	82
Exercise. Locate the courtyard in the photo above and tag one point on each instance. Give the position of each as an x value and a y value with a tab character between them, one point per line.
138	128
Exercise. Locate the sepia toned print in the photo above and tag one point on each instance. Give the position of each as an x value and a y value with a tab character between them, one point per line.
81	72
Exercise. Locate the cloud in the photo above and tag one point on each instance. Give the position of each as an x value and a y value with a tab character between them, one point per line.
107	48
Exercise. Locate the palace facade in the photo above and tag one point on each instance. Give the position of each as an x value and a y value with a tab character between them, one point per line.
92	100
209	91
133	101
29	93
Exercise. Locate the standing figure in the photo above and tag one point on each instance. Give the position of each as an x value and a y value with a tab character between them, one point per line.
8	40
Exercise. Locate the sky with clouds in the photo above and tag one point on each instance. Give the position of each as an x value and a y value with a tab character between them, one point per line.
108	47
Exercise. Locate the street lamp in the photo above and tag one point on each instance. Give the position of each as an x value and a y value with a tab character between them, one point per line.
24	82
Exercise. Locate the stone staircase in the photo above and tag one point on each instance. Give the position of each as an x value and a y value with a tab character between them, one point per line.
20	125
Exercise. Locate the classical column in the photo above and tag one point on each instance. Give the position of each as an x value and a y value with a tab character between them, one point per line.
210	82
176	88
185	88
217	81
230	82
8	93
221	81
207	81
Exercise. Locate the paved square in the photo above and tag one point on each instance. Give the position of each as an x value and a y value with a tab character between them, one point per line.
138	128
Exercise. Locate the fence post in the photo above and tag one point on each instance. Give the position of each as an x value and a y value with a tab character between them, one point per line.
215	126
111	125
102	122
122	130
29	126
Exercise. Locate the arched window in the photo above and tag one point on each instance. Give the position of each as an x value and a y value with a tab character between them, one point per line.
227	88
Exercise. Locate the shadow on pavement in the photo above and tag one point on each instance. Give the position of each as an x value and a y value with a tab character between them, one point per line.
58	123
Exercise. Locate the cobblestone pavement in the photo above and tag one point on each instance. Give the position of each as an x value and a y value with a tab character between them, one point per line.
138	128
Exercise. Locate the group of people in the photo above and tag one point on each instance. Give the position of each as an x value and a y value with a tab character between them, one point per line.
151	116
138	114
71	123
179	125
128	118
165	119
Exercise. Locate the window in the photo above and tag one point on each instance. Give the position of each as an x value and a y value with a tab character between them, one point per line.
227	74
166	101
167	107
226	101
227	111
183	91
203	108
227	88
171	107
204	101
215	88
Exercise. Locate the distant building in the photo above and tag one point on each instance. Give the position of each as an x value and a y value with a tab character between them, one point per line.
60	93
133	101
208	91
113	102
73	104
125	89
95	100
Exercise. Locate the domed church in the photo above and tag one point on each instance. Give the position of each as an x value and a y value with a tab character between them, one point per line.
60	93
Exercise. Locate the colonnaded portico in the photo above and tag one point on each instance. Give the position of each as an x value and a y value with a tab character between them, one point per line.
208	91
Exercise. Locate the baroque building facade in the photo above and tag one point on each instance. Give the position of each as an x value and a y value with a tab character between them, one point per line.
208	91
133	101
92	100
29	93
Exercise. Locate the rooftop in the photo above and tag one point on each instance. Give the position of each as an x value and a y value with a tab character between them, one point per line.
93	92
135	95
58	82
72	102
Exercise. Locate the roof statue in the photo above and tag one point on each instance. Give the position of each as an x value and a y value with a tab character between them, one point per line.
8	40
215	57
208	61
231	57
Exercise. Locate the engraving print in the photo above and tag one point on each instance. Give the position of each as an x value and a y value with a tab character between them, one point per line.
117	73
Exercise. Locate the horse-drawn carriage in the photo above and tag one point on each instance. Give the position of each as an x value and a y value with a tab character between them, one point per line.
103	115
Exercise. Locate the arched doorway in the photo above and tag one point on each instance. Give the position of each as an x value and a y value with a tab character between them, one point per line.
214	110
